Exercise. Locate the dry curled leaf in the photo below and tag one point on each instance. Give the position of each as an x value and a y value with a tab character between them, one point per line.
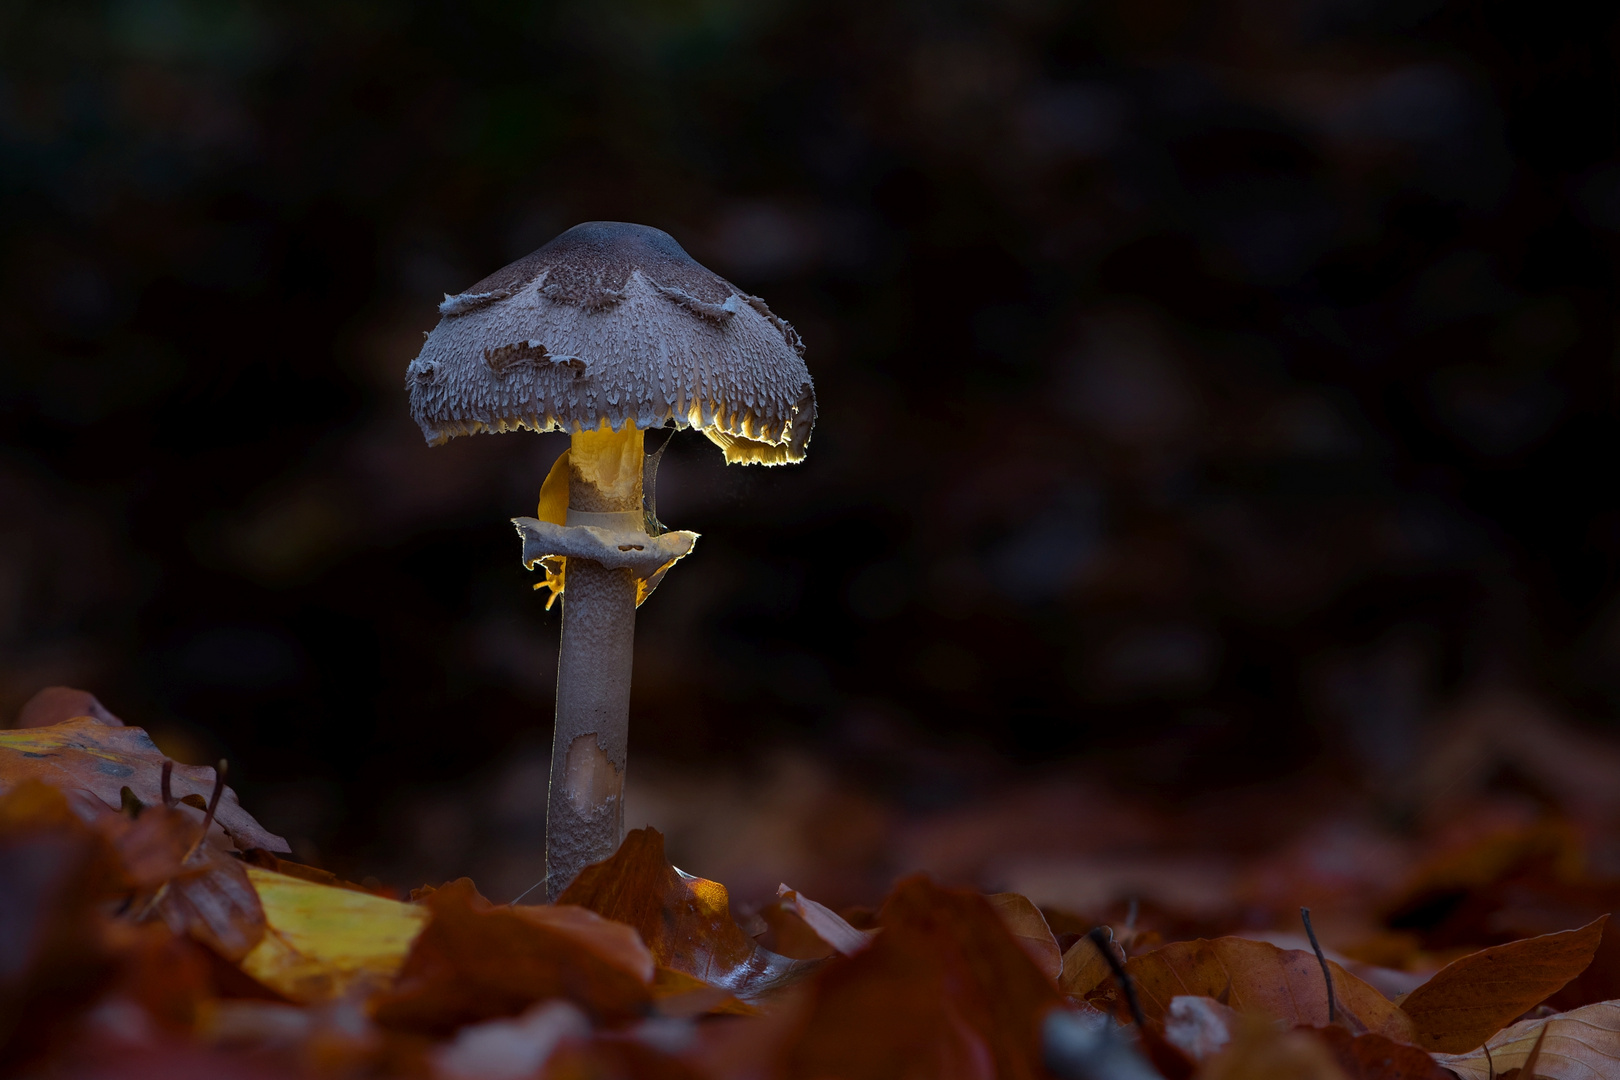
476	961
86	755
210	899
1471	998
1028	925
1257	978
1582	1044
1084	967
824	923
943	991
686	921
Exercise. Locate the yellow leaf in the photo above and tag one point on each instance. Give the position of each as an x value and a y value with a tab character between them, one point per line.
321	941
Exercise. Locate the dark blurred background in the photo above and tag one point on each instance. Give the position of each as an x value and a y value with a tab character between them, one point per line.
1207	390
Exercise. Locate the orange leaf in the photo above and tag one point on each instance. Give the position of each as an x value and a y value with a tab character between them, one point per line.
944	991
826	925
1259	978
476	961
1469	1000
686	921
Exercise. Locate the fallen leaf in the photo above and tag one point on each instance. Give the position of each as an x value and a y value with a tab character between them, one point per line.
322	941
268	861
1373	1057
686	921
1028	925
1258	978
1469	999
1084	968
55	704
611	1057
168	976
943	991
1260	1051
476	961
782	930
211	900
1579	1045
87	755
55	875
152	848
677	994
826	924
1528	1069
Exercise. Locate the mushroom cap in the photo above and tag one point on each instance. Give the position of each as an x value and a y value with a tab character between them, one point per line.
615	323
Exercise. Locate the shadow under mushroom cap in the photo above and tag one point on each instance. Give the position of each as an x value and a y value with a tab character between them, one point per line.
615	323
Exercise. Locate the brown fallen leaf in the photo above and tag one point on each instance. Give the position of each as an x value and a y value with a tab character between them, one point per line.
211	900
56	875
1258	978
943	991
1373	1057
87	755
476	961
1028	925
168	976
55	704
1470	999
609	1057
1600	981
786	933
1260	1051
825	924
1578	1045
686	921
197	889
682	996
1084	968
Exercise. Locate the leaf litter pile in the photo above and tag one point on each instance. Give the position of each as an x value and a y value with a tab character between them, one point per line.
149	926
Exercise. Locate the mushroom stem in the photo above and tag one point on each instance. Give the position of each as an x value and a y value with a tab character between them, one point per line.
585	809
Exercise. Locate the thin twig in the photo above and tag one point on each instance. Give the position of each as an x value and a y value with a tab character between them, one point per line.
168	794
1489	1061
1327	976
213	805
1099	937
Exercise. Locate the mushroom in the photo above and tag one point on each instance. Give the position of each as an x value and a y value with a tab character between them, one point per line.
608	330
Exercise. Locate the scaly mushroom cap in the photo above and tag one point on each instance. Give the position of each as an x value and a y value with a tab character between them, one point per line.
612	322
